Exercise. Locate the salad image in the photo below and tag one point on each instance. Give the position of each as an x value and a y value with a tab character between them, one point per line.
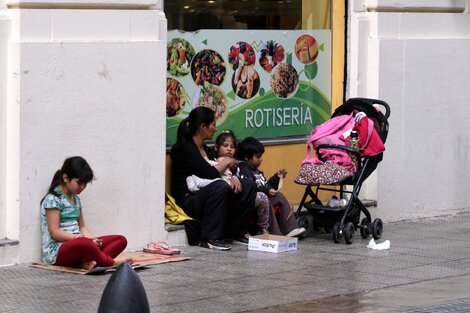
179	55
212	97
271	55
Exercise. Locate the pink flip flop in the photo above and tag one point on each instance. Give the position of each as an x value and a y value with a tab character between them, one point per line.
160	248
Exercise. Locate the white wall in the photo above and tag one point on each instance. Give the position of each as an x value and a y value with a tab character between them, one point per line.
414	55
4	225
87	78
4	35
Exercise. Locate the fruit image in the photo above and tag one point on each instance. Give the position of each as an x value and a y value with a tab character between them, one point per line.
306	49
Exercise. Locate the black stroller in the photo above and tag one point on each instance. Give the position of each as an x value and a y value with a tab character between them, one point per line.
342	221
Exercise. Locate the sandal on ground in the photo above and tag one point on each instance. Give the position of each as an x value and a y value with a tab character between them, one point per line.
160	248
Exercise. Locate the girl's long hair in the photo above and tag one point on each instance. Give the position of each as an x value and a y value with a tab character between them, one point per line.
73	167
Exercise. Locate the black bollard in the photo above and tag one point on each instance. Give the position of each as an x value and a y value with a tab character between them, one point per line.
124	293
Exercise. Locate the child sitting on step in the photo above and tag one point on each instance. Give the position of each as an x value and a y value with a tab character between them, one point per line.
281	218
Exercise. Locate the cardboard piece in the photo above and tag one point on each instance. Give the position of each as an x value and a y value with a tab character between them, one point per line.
141	259
272	243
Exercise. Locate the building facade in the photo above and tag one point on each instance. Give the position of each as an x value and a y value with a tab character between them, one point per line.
88	77
82	78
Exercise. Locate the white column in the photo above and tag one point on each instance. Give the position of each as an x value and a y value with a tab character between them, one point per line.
413	54
87	78
4	37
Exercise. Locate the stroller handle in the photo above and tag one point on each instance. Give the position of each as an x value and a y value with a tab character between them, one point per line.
375	101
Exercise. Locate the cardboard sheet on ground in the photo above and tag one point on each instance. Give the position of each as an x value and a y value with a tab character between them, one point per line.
141	260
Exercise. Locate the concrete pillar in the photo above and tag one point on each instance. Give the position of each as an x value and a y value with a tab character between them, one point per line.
413	54
86	78
4	37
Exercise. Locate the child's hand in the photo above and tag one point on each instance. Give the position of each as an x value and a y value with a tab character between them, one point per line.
233	166
97	241
272	192
282	173
236	184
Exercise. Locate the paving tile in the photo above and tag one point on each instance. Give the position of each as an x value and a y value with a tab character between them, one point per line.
460	306
424	250
427	272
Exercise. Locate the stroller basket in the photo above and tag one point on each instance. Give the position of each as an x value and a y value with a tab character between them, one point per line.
343	219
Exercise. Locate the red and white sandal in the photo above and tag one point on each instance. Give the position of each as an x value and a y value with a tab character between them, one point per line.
160	248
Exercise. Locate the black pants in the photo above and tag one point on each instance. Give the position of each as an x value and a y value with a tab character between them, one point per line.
220	211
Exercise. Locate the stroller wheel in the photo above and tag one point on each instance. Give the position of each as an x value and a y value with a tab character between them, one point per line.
335	232
364	229
349	233
377	227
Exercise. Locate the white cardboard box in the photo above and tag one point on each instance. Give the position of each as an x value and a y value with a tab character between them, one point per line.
272	243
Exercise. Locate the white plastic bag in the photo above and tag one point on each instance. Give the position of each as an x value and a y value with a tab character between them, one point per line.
379	246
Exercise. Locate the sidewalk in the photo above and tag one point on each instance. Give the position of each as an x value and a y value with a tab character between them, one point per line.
427	269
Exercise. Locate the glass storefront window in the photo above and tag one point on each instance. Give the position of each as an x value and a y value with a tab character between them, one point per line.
192	15
264	66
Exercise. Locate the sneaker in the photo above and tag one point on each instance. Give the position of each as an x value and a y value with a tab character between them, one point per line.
296	232
215	244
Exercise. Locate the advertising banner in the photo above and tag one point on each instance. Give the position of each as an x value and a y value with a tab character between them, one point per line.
271	84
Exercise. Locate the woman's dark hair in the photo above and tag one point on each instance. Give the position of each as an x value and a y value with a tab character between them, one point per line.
249	147
189	126
223	137
73	167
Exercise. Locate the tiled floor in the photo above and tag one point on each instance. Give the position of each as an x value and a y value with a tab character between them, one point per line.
424	255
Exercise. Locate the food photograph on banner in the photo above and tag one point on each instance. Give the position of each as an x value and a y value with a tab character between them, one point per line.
270	84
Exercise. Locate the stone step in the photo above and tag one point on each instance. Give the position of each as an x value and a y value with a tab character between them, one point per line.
176	235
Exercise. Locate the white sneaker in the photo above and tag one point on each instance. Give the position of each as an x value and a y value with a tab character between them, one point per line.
296	232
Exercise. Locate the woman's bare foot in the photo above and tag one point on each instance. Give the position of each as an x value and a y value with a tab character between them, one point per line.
119	261
88	266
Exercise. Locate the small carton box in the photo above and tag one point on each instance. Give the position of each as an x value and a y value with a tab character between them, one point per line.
272	243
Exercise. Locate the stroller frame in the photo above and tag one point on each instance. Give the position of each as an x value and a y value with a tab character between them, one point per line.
343	221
